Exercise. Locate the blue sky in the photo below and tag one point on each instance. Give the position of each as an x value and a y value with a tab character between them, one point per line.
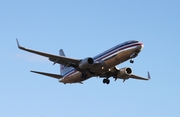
84	29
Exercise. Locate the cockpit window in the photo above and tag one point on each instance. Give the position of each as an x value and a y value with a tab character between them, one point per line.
134	41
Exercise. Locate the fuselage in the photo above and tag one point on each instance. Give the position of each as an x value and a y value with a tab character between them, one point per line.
107	60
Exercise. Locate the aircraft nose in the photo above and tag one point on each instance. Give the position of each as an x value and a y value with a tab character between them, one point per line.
140	47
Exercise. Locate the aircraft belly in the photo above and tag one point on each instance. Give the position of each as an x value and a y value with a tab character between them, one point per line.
119	58
110	63
76	78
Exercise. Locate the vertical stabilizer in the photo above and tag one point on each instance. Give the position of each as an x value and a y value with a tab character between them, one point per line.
63	69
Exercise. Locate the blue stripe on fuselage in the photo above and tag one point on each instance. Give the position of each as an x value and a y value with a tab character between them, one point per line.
118	47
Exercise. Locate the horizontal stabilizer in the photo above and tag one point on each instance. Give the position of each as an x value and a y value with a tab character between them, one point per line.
49	74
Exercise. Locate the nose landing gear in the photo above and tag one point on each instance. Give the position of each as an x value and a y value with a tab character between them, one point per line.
135	54
131	61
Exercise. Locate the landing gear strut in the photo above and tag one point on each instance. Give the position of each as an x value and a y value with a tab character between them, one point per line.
83	75
106	81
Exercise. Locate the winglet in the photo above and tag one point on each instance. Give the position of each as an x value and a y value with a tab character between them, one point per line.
149	75
20	47
17	42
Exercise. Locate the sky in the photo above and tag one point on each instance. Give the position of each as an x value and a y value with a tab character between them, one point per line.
85	28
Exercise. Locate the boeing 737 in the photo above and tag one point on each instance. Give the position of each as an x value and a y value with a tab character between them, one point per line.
102	66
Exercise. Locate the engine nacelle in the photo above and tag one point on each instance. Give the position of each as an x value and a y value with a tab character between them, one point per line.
124	72
86	63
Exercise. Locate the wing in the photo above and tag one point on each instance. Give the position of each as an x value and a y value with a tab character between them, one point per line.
69	62
123	74
139	77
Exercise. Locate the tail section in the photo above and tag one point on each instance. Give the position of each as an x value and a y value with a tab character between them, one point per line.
63	69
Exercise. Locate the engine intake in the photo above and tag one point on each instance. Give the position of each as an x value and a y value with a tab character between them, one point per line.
86	63
124	72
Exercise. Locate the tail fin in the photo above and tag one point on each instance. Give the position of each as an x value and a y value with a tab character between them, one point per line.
63	69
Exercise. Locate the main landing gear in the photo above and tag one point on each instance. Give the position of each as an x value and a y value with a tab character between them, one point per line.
106	81
83	75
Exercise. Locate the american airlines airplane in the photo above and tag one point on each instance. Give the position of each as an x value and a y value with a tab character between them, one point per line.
102	66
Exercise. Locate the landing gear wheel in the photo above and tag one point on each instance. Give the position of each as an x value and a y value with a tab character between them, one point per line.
131	61
106	81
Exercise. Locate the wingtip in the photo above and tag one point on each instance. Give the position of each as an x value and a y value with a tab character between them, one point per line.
20	47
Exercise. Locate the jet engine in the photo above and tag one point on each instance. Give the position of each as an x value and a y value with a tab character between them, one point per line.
124	72
86	63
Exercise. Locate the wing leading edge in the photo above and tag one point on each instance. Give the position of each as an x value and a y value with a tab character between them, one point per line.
54	58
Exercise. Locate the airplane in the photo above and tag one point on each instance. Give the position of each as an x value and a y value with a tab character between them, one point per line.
103	65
